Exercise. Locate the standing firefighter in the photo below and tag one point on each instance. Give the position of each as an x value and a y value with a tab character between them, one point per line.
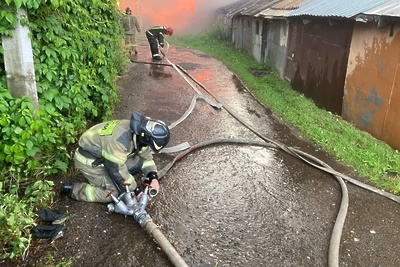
130	24
110	153
155	36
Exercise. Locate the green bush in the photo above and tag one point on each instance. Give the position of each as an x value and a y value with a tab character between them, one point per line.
78	54
15	222
17	217
30	144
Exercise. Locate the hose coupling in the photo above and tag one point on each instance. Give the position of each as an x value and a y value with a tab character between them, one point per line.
153	192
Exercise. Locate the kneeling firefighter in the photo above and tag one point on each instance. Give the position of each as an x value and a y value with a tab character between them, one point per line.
110	153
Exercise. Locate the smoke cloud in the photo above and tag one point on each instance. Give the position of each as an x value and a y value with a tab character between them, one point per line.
184	16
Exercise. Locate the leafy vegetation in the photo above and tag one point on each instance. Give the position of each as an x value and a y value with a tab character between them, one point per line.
371	158
78	54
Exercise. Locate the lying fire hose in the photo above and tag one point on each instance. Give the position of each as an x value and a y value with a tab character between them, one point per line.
333	257
127	205
333	260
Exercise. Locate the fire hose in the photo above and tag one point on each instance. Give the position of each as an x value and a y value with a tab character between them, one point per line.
333	257
127	205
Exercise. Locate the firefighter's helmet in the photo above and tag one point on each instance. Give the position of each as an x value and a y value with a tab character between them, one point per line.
153	133
169	31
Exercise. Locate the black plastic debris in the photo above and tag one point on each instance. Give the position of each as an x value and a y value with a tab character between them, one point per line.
49	231
52	217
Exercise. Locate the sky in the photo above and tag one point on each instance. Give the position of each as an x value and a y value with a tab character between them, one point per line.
184	16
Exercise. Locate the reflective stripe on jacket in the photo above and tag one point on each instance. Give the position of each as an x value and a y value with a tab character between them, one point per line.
158	32
114	142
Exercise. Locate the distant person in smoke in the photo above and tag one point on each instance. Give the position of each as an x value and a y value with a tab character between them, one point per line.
130	24
155	36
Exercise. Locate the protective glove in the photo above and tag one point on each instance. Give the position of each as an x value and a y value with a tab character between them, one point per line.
149	178
152	182
137	191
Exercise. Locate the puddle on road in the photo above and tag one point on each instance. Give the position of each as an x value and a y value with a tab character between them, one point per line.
216	203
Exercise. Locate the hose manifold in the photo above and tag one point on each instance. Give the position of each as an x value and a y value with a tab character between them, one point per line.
127	204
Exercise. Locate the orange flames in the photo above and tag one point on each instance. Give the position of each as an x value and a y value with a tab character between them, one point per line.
184	16
174	13
171	13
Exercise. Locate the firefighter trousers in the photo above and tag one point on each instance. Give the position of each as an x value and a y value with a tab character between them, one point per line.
100	184
153	44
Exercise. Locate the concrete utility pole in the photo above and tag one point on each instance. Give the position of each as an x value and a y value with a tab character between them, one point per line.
18	61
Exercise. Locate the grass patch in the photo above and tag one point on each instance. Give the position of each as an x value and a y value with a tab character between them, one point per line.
373	159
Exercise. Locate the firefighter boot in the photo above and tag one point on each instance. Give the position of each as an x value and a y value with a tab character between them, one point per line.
66	189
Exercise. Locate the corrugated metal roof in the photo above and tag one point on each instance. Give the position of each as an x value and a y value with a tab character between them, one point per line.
335	8
390	9
288	4
234	8
271	13
282	8
258	7
247	8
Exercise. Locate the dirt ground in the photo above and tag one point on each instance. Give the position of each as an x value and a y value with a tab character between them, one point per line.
224	204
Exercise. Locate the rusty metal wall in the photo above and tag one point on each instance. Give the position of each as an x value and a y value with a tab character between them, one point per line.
317	59
372	87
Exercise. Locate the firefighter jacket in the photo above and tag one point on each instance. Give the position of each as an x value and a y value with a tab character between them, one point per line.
115	144
158	33
130	24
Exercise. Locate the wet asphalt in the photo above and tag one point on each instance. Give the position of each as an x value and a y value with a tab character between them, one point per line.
228	204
